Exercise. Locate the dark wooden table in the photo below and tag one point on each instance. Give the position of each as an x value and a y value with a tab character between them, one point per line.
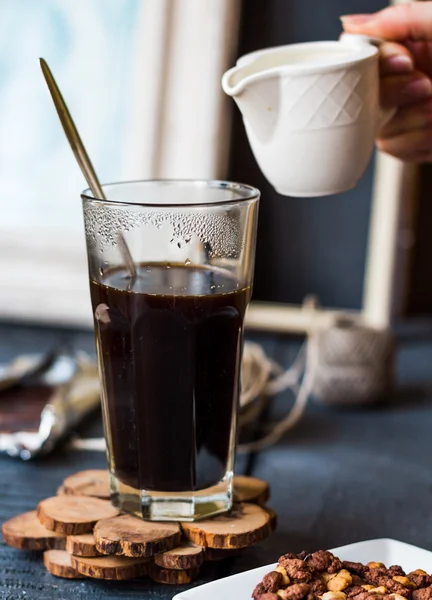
341	476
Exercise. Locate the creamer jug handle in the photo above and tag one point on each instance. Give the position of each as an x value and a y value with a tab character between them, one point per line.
356	40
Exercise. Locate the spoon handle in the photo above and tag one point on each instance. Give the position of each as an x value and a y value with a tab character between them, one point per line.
83	158
72	133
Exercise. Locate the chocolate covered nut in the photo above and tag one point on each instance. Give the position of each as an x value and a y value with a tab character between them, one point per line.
354	590
423	593
318	586
258	591
297	591
288	556
420	578
335	566
374	574
323	560
355	567
394	587
297	570
272	581
320	561
362	595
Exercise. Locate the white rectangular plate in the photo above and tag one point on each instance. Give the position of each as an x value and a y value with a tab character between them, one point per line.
389	552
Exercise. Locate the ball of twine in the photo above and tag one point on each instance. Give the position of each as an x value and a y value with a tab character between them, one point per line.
353	364
347	363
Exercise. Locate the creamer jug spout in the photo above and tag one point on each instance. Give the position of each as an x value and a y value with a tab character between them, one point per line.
255	88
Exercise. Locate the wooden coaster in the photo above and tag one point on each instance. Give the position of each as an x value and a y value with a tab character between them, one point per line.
82	545
244	526
94	482
185	556
110	567
172	576
58	563
72	515
213	554
273	517
26	533
250	489
131	536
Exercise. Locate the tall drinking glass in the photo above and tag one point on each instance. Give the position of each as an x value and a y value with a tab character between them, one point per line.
169	340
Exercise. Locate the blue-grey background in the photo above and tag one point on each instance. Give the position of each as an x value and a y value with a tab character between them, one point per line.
312	245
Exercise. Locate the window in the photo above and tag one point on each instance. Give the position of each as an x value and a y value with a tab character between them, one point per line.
142	81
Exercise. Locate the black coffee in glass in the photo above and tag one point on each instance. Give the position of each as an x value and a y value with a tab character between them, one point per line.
170	345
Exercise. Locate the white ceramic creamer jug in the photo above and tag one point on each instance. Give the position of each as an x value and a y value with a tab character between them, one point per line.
311	112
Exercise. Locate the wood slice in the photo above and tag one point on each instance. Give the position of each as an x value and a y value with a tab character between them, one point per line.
110	567
185	556
273	517
72	515
94	482
250	489
131	536
26	533
58	563
172	576
244	525
213	554
82	545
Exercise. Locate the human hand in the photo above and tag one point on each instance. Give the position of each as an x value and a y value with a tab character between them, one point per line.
406	76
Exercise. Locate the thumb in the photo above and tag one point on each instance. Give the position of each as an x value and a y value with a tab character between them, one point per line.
399	23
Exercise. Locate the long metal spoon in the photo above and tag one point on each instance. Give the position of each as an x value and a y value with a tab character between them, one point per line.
82	157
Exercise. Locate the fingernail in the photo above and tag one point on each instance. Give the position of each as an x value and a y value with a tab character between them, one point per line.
399	63
419	88
355	19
